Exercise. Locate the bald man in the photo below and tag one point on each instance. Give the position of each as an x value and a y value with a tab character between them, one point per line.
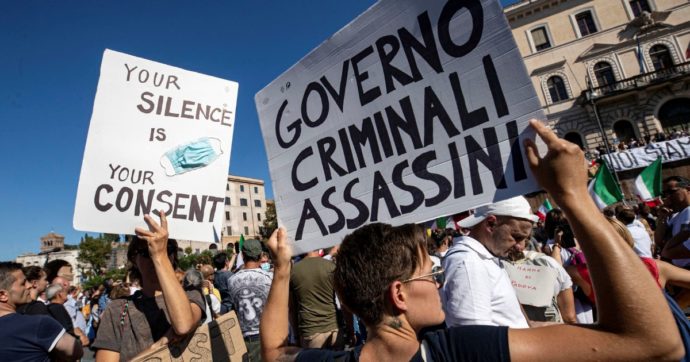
211	294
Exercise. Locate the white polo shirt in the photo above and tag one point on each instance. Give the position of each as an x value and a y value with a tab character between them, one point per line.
477	290
643	243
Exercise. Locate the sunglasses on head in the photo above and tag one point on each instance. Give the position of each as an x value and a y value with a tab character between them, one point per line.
437	275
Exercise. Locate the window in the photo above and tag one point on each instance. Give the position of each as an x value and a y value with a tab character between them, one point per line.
229	230
638	6
246	230
196	251
243	202
227	187
540	38
256	190
258	216
227	201
241	188
585	22
604	74
257	203
557	89
244	216
227	215
660	56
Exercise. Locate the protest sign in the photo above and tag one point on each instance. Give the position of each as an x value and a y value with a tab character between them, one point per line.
533	284
218	341
669	151
414	110
159	140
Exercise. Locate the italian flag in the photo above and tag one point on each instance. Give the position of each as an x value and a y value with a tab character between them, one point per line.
648	182
544	208
603	188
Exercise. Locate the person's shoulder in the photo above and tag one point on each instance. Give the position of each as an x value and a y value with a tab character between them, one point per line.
329	355
468	343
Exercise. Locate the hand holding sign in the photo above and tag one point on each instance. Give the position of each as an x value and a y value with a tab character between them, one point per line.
156	236
279	247
561	171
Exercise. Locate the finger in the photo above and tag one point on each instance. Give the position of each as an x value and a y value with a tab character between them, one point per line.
544	132
164	220
532	153
140	232
282	235
153	225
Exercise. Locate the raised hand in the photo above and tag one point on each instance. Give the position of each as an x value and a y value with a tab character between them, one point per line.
281	251
156	236
561	172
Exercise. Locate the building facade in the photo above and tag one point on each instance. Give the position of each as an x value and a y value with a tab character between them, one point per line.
245	208
52	248
624	62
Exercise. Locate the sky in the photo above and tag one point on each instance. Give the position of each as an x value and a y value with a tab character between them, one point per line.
50	56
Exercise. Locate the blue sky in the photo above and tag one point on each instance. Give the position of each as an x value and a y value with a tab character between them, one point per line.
50	55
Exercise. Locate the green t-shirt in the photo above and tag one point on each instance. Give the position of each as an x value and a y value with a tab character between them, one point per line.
311	286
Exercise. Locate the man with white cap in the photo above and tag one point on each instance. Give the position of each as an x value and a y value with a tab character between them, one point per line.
478	290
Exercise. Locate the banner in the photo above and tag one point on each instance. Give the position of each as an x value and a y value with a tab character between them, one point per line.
415	110
669	151
159	139
219	341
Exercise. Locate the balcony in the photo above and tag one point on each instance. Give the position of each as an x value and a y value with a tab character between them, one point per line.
639	81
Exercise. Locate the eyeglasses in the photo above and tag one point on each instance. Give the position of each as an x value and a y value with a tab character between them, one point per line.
437	276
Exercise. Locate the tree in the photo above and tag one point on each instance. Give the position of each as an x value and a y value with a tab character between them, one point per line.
271	220
95	252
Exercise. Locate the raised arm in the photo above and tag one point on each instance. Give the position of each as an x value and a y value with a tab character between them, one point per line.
184	315
273	328
635	322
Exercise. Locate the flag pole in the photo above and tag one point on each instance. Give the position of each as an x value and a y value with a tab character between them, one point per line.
591	96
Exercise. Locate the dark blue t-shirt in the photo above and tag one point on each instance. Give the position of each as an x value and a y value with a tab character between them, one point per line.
28	337
466	343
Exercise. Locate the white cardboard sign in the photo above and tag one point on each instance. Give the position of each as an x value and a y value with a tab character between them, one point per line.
159	140
414	110
533	284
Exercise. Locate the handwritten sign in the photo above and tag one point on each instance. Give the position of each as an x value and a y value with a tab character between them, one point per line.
533	284
414	110
159	140
219	341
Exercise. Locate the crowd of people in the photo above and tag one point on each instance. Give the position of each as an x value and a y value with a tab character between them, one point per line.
500	284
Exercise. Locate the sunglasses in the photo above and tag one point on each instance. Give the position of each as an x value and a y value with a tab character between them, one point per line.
437	275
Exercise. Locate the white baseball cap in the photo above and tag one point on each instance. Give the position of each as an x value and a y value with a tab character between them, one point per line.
516	207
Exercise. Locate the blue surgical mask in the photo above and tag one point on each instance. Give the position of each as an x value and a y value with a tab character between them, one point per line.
265	266
191	156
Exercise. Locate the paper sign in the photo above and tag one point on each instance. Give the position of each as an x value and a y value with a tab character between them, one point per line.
533	284
159	140
669	151
414	110
219	341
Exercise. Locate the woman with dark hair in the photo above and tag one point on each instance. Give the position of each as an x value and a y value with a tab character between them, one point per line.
129	326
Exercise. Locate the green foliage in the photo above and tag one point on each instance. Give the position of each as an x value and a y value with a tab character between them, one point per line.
271	220
95	252
188	250
110	237
96	280
71	247
192	260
